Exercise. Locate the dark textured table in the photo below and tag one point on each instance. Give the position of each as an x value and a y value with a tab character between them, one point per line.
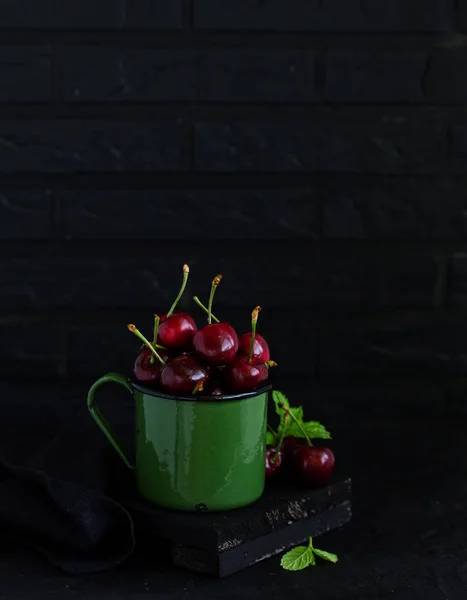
407	538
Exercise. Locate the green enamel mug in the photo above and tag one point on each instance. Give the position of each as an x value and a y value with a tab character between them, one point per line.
193	454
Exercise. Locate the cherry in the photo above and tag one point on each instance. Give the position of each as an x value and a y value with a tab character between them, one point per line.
147	370
144	370
313	465
273	461
215	386
216	343
246	373
241	375
214	389
149	363
289	447
184	375
176	330
260	346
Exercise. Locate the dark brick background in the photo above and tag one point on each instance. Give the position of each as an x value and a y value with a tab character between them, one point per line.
314	152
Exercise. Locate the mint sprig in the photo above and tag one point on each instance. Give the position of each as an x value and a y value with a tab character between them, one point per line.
302	557
295	427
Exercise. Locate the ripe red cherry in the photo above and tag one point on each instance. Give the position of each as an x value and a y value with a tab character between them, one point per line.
241	375
260	346
182	375
213	389
177	331
273	461
246	372
146	371
289	447
313	465
216	344
143	370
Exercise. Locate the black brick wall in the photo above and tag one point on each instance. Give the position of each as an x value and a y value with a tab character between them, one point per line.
314	152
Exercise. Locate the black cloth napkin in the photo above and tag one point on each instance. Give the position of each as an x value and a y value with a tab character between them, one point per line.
59	478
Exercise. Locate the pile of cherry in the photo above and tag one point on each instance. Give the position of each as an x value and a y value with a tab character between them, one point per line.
183	360
300	461
290	453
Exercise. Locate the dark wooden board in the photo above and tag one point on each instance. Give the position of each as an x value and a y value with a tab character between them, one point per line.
221	543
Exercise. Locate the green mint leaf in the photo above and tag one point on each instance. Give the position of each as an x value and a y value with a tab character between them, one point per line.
297	559
314	430
325	555
270	438
280	398
297	412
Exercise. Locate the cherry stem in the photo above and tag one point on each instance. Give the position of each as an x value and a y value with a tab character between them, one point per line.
139	335
199	387
254	320
186	272
205	308
156	331
158	347
297	422
215	283
280	438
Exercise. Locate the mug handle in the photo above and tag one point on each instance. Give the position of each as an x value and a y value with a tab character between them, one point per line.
99	417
